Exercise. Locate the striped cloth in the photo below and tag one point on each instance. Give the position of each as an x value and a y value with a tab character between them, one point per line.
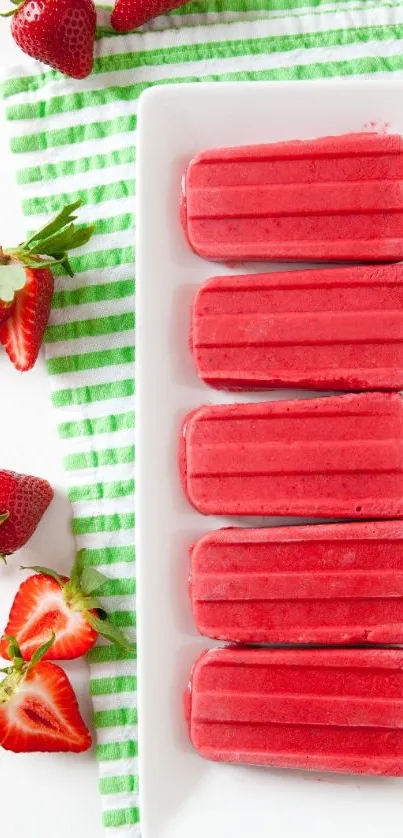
78	140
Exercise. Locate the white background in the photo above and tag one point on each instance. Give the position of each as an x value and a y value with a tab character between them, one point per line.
41	795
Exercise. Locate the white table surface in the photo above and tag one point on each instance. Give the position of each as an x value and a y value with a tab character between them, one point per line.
41	795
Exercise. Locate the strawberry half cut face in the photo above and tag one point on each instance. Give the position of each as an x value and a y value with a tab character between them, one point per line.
67	607
39	710
40	608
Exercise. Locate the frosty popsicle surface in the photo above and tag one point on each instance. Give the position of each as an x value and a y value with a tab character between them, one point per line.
323	329
332	198
327	710
329	457
323	584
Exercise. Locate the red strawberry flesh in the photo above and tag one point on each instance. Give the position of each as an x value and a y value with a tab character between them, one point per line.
5	311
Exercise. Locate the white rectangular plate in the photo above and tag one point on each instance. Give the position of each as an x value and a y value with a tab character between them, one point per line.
183	796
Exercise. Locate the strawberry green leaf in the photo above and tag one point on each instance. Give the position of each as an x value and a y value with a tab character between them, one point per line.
12	279
55	242
46	571
110	632
49	245
66	239
4	516
91	580
14	650
76	570
60	220
41	651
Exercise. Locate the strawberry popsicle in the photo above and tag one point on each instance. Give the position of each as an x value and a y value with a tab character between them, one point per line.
331	583
333	328
331	198
328	457
317	709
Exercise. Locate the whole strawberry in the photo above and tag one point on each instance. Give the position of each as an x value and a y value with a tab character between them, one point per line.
23	502
129	14
60	33
26	284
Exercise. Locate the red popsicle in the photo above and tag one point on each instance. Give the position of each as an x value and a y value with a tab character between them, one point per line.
331	583
318	709
332	198
337	328
338	457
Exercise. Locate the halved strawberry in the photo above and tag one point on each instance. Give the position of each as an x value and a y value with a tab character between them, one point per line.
48	602
27	283
40	607
38	707
22	332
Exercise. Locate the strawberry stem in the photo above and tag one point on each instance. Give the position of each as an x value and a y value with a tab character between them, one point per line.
14	650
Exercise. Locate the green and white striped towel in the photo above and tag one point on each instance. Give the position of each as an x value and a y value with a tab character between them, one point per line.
78	140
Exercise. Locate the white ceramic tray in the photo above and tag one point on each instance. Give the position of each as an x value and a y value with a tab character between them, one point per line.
182	796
